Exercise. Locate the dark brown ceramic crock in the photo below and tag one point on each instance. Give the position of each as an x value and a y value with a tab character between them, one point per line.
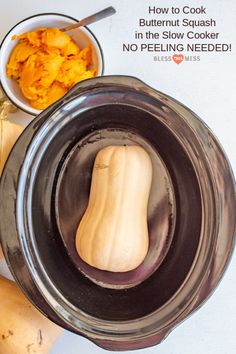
191	216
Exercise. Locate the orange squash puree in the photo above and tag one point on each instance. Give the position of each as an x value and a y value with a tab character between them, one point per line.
47	63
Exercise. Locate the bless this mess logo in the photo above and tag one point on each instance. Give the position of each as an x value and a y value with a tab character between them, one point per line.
177	58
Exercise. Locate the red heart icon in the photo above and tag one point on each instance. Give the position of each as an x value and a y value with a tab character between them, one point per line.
178	58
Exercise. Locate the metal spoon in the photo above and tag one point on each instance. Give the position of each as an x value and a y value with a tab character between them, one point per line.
90	19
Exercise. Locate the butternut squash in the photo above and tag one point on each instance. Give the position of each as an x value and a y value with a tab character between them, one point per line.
46	63
9	132
23	329
113	232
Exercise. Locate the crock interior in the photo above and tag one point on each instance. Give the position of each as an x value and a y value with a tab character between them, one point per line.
158	288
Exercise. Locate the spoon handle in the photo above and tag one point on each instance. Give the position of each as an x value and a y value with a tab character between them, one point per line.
90	19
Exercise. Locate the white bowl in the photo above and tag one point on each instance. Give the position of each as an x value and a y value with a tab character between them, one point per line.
82	36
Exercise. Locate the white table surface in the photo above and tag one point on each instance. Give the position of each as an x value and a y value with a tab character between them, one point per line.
208	87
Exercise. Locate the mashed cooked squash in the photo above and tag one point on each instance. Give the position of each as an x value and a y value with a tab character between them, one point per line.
47	63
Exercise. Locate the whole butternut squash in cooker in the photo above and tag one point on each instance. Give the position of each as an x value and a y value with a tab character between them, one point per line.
113	232
23	329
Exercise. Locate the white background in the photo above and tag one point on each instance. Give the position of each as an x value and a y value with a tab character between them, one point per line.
208	87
